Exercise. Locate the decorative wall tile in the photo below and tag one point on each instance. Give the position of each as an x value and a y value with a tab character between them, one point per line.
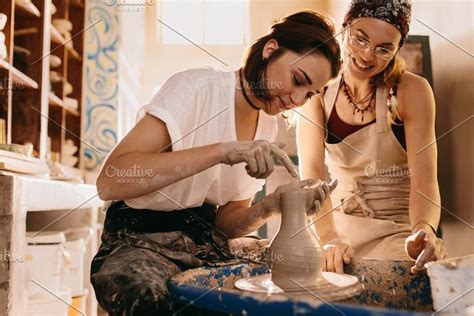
100	98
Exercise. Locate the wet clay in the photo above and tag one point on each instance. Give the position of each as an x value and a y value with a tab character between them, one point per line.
297	258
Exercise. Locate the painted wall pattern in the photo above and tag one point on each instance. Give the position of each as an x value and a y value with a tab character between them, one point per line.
100	98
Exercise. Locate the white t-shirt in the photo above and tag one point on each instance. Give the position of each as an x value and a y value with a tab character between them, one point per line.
197	106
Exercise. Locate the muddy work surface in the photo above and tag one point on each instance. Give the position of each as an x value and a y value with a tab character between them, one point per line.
388	288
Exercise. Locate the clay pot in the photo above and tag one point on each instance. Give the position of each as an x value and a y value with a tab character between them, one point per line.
296	255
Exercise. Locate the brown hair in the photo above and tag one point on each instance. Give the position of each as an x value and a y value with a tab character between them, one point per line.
392	73
303	33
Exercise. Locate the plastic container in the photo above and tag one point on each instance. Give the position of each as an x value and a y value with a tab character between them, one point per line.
50	305
76	240
452	283
74	275
46	258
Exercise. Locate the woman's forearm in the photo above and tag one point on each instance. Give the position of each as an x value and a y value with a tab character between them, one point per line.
424	209
324	221
135	174
242	221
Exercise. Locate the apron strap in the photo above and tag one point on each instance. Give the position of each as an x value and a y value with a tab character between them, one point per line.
381	108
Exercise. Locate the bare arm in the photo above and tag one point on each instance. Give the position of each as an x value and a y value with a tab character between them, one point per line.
238	218
146	150
311	134
417	108
418	112
143	161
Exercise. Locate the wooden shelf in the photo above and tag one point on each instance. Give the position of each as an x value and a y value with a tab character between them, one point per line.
58	38
26	31
18	76
77	3
28	7
75	55
72	112
30	27
54	100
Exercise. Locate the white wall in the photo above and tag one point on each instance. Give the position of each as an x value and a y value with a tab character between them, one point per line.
131	61
453	71
161	61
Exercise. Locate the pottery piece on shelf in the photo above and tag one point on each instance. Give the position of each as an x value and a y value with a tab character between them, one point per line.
3	21
55	76
67	88
62	25
26	149
62	172
3	51
68	148
3	46
54	61
71	103
69	161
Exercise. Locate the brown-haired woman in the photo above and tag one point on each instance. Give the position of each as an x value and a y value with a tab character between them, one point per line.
205	141
380	145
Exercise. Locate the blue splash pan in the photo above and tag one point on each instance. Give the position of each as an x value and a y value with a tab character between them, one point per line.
389	289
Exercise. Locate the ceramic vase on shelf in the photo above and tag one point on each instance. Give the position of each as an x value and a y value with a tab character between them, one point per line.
296	255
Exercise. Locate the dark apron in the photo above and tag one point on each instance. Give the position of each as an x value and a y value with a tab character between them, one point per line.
142	249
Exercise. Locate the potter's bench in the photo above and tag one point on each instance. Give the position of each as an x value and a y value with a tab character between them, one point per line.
388	289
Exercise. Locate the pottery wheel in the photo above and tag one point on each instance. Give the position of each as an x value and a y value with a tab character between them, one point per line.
331	287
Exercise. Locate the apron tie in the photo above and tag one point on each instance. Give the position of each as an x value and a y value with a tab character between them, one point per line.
358	202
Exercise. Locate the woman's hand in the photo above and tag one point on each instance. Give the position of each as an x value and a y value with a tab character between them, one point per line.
258	155
244	245
424	246
337	252
317	191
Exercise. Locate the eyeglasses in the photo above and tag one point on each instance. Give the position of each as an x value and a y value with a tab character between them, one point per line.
362	44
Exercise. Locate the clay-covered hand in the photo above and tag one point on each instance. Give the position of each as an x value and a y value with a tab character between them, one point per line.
259	156
316	192
424	246
337	253
242	246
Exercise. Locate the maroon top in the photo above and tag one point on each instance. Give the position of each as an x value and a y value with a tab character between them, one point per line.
338	129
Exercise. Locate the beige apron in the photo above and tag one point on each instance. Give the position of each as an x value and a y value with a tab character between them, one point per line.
372	197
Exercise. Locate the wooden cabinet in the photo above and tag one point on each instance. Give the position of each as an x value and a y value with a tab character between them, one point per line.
37	95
